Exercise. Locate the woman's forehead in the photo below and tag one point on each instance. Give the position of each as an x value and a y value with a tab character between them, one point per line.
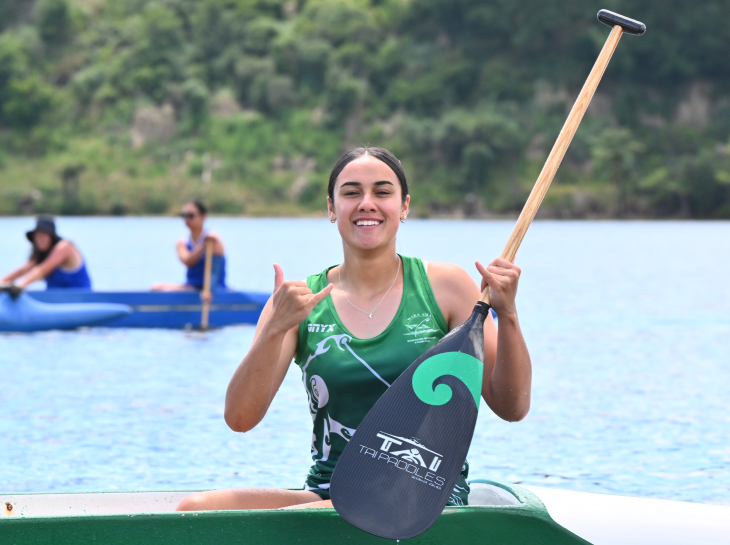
367	169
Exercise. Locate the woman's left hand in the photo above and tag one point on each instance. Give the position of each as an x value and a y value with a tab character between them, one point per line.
502	278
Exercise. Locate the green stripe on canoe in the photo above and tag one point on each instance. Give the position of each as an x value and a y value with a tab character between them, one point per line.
526	523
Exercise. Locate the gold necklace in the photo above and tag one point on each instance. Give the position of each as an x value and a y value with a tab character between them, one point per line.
370	314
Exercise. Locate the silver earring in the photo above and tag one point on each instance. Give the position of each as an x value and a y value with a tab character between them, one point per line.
333	221
403	220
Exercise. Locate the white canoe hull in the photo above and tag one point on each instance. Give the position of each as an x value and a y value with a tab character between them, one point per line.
599	519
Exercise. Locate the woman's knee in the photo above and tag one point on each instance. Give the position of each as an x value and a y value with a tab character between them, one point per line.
245	498
194	502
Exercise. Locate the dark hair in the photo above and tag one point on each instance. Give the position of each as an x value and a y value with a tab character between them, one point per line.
202	209
379	153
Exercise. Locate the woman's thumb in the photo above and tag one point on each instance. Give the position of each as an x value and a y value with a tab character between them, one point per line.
278	276
486	275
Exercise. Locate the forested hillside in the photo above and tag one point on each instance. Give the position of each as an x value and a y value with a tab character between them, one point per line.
130	107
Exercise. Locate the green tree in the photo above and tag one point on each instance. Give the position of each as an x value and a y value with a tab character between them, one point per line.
53	18
26	102
616	154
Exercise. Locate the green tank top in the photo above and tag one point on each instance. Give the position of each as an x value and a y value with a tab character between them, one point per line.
344	376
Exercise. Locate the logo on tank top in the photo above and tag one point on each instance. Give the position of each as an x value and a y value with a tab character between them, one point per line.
420	327
321	328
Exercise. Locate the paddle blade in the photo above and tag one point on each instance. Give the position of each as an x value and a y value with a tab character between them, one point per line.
398	470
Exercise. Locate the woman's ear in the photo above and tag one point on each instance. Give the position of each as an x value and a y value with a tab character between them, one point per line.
405	208
331	210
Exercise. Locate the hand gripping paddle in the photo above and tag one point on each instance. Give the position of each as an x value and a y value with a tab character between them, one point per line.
399	469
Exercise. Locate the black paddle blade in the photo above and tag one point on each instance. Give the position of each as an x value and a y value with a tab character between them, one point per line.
398	470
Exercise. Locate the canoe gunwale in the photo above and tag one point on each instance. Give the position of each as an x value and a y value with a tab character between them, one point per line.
169	310
519	523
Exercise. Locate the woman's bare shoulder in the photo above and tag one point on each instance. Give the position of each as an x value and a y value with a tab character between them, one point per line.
451	284
448	275
63	247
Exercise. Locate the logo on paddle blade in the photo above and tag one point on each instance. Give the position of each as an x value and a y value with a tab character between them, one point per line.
466	368
411	459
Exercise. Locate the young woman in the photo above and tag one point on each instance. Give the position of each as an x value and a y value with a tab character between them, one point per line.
53	259
192	252
354	328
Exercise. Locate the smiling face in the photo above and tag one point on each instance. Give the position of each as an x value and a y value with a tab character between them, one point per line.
368	203
42	241
193	218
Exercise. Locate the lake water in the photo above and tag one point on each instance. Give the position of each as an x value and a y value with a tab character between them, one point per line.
627	324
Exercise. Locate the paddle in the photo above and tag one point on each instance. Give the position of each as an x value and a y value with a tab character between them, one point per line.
11	289
206	294
399	468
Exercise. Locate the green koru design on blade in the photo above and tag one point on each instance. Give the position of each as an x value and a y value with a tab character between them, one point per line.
466	368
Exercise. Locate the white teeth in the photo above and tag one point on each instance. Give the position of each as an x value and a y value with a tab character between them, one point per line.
367	222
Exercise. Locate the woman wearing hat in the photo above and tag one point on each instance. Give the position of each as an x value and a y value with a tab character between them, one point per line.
52	258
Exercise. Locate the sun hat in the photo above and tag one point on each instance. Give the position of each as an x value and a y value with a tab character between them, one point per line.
45	224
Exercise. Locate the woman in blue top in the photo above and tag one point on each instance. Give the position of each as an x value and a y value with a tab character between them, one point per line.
54	259
192	252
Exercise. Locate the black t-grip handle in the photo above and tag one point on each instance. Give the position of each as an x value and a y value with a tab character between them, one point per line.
630	26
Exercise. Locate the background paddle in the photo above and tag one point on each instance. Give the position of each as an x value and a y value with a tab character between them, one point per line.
397	472
206	294
11	289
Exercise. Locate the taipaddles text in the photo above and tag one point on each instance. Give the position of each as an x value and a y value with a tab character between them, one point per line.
411	457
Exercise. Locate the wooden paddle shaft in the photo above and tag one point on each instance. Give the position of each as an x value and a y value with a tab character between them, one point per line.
556	155
208	271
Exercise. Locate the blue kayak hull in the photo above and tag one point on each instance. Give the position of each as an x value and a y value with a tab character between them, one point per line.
176	310
26	314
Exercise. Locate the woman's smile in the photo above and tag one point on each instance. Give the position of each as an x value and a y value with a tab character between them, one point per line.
368	223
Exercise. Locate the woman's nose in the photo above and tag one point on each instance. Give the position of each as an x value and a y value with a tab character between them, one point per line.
367	202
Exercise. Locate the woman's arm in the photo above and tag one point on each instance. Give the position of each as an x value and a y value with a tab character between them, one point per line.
511	384
59	255
506	386
191	257
20	271
260	374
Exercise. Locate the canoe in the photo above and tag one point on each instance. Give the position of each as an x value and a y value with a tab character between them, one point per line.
26	314
497	513
175	310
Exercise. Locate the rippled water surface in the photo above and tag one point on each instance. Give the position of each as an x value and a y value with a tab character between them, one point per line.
627	324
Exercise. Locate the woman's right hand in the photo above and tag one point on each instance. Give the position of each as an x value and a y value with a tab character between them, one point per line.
292	302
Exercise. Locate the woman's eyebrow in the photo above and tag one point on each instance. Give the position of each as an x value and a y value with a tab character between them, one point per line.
358	184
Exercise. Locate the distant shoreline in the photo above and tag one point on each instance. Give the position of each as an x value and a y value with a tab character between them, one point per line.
441	217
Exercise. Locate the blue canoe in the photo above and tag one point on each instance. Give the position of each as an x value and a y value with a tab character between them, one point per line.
174	310
25	314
